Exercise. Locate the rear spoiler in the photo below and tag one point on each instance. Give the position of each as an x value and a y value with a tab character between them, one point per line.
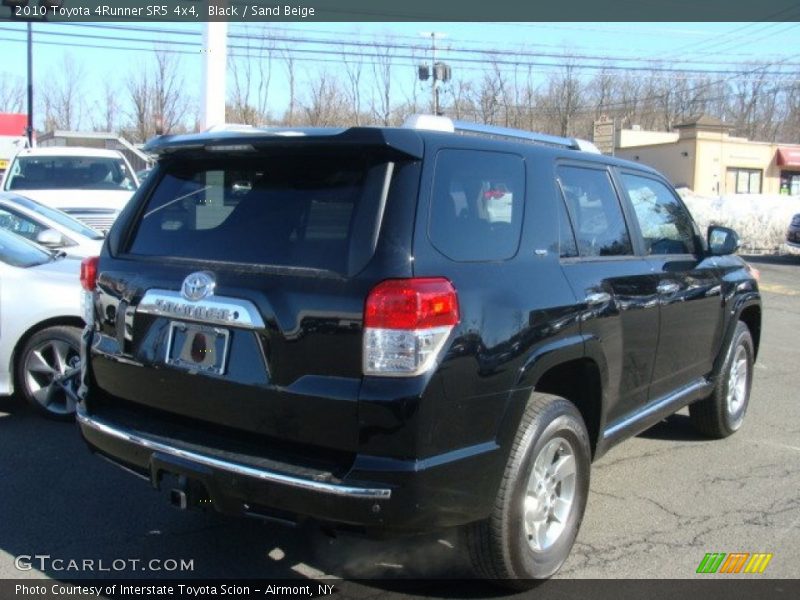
246	140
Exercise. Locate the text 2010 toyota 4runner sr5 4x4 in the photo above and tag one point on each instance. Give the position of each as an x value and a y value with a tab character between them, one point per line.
407	329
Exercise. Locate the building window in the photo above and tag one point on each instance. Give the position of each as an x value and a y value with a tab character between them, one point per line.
743	181
790	183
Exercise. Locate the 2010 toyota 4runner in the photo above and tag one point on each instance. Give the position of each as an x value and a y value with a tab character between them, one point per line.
406	329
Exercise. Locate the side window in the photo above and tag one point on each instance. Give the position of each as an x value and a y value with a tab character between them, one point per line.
20	224
665	223
477	205
600	227
566	237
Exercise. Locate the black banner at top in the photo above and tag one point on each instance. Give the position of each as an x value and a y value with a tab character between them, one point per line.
245	11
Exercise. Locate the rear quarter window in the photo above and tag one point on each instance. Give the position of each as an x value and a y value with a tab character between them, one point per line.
477	205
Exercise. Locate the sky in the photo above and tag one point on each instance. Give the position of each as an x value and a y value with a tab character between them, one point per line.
120	48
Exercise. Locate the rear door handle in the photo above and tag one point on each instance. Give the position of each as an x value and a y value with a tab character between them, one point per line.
593	298
668	287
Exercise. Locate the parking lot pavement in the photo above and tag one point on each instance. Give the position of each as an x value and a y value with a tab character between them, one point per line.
659	502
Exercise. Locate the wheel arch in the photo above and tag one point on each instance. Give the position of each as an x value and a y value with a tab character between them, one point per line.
572	369
580	382
61	321
751	316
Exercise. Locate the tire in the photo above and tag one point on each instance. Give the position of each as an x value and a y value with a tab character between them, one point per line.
45	371
515	550
722	413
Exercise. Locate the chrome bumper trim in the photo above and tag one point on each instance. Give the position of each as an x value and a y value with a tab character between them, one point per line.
214	310
332	489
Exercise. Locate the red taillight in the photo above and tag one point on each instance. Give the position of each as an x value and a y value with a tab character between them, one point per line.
89	273
407	323
412	304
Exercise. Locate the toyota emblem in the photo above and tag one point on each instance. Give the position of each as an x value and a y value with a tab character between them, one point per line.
198	286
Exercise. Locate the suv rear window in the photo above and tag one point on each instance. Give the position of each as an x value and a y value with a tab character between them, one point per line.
296	211
477	204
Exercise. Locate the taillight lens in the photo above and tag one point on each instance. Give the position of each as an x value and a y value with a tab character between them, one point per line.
88	283
89	273
406	324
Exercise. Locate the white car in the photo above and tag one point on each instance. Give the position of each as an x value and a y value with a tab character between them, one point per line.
40	325
90	184
48	226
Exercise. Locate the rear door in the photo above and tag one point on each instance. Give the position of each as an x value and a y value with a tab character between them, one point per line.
236	295
617	287
688	285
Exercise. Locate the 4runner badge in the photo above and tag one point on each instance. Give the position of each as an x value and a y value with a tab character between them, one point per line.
198	286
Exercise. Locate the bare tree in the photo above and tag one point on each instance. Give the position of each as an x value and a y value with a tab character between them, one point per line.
141	126
158	103
601	92
249	101
106	112
12	93
62	96
461	107
326	105
381	100
291	73
353	67
563	98
169	101
487	98
240	109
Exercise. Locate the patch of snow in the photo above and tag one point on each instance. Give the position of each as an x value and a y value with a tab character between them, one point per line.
761	220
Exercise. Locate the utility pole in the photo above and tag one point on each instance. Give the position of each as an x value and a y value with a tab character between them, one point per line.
29	128
44	7
215	57
439	71
434	86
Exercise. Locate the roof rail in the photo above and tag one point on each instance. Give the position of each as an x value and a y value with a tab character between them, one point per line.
233	127
518	134
437	123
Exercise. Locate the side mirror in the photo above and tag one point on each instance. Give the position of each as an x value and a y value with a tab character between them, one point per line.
50	238
722	240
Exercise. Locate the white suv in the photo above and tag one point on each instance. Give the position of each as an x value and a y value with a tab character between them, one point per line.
90	184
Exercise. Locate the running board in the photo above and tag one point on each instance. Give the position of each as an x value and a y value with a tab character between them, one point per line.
653	412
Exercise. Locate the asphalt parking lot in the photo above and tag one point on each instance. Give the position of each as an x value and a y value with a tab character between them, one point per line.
658	503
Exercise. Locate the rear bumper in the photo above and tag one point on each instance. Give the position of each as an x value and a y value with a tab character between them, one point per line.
377	495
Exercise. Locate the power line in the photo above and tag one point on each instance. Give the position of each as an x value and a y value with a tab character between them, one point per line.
416	47
571	62
395	58
769	20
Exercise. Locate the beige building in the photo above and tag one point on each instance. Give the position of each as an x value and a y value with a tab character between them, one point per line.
703	155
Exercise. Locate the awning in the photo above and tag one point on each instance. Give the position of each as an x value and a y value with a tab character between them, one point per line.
789	157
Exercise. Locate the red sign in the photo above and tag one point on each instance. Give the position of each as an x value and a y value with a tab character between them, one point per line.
13	124
789	157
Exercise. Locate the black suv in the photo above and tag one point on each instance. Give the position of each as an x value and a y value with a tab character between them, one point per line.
404	329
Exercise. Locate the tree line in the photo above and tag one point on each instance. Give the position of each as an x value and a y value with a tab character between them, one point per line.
761	100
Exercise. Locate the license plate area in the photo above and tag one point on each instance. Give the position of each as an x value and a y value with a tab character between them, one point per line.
197	348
